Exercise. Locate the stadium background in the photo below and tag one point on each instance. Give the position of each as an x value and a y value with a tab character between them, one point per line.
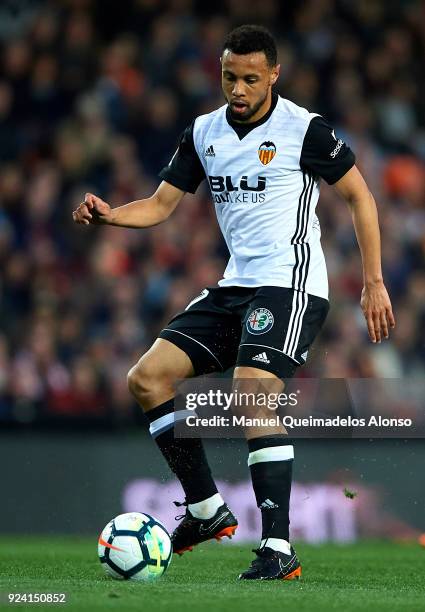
93	97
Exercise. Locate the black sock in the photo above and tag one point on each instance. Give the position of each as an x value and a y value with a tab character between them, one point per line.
185	456
270	461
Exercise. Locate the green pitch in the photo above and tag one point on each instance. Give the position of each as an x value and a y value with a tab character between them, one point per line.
368	576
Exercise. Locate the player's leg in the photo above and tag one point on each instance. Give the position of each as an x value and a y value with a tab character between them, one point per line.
270	462
186	348
269	330
151	381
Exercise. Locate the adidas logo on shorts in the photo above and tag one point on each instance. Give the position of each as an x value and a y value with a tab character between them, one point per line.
261	357
210	152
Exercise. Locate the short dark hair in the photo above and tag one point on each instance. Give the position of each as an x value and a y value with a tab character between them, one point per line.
251	39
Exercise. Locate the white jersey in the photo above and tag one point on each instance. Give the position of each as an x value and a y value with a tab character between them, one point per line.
265	192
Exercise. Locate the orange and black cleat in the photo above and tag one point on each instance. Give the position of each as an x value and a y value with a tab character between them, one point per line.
192	530
273	565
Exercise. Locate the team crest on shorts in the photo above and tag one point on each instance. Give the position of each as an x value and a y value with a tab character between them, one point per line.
266	152
260	321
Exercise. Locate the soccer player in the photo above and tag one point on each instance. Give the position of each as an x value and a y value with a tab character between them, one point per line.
263	157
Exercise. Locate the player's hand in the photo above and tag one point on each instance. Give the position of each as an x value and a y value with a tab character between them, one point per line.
93	211
377	309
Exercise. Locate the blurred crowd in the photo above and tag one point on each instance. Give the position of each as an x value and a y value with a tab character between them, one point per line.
93	97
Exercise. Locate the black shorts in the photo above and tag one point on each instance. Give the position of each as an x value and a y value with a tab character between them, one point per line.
270	328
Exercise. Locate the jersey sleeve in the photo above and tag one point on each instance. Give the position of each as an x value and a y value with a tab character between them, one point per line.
324	154
185	170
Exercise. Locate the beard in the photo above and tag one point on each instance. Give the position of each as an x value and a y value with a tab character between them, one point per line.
249	112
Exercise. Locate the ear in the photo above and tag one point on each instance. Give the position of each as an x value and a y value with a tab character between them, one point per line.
274	75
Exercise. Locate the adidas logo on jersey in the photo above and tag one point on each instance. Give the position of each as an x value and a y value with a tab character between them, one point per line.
209	152
268	505
261	357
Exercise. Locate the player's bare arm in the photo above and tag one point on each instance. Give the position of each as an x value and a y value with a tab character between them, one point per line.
375	301
140	213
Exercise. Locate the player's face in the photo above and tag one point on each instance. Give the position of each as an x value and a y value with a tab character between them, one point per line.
247	81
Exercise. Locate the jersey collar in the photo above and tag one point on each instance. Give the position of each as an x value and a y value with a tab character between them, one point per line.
242	129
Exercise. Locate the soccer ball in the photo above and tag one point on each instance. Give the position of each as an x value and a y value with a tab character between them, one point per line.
135	546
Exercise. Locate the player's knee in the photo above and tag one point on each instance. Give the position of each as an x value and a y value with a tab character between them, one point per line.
131	380
146	381
139	382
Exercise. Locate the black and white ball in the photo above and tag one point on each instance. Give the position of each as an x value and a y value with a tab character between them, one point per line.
135	546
